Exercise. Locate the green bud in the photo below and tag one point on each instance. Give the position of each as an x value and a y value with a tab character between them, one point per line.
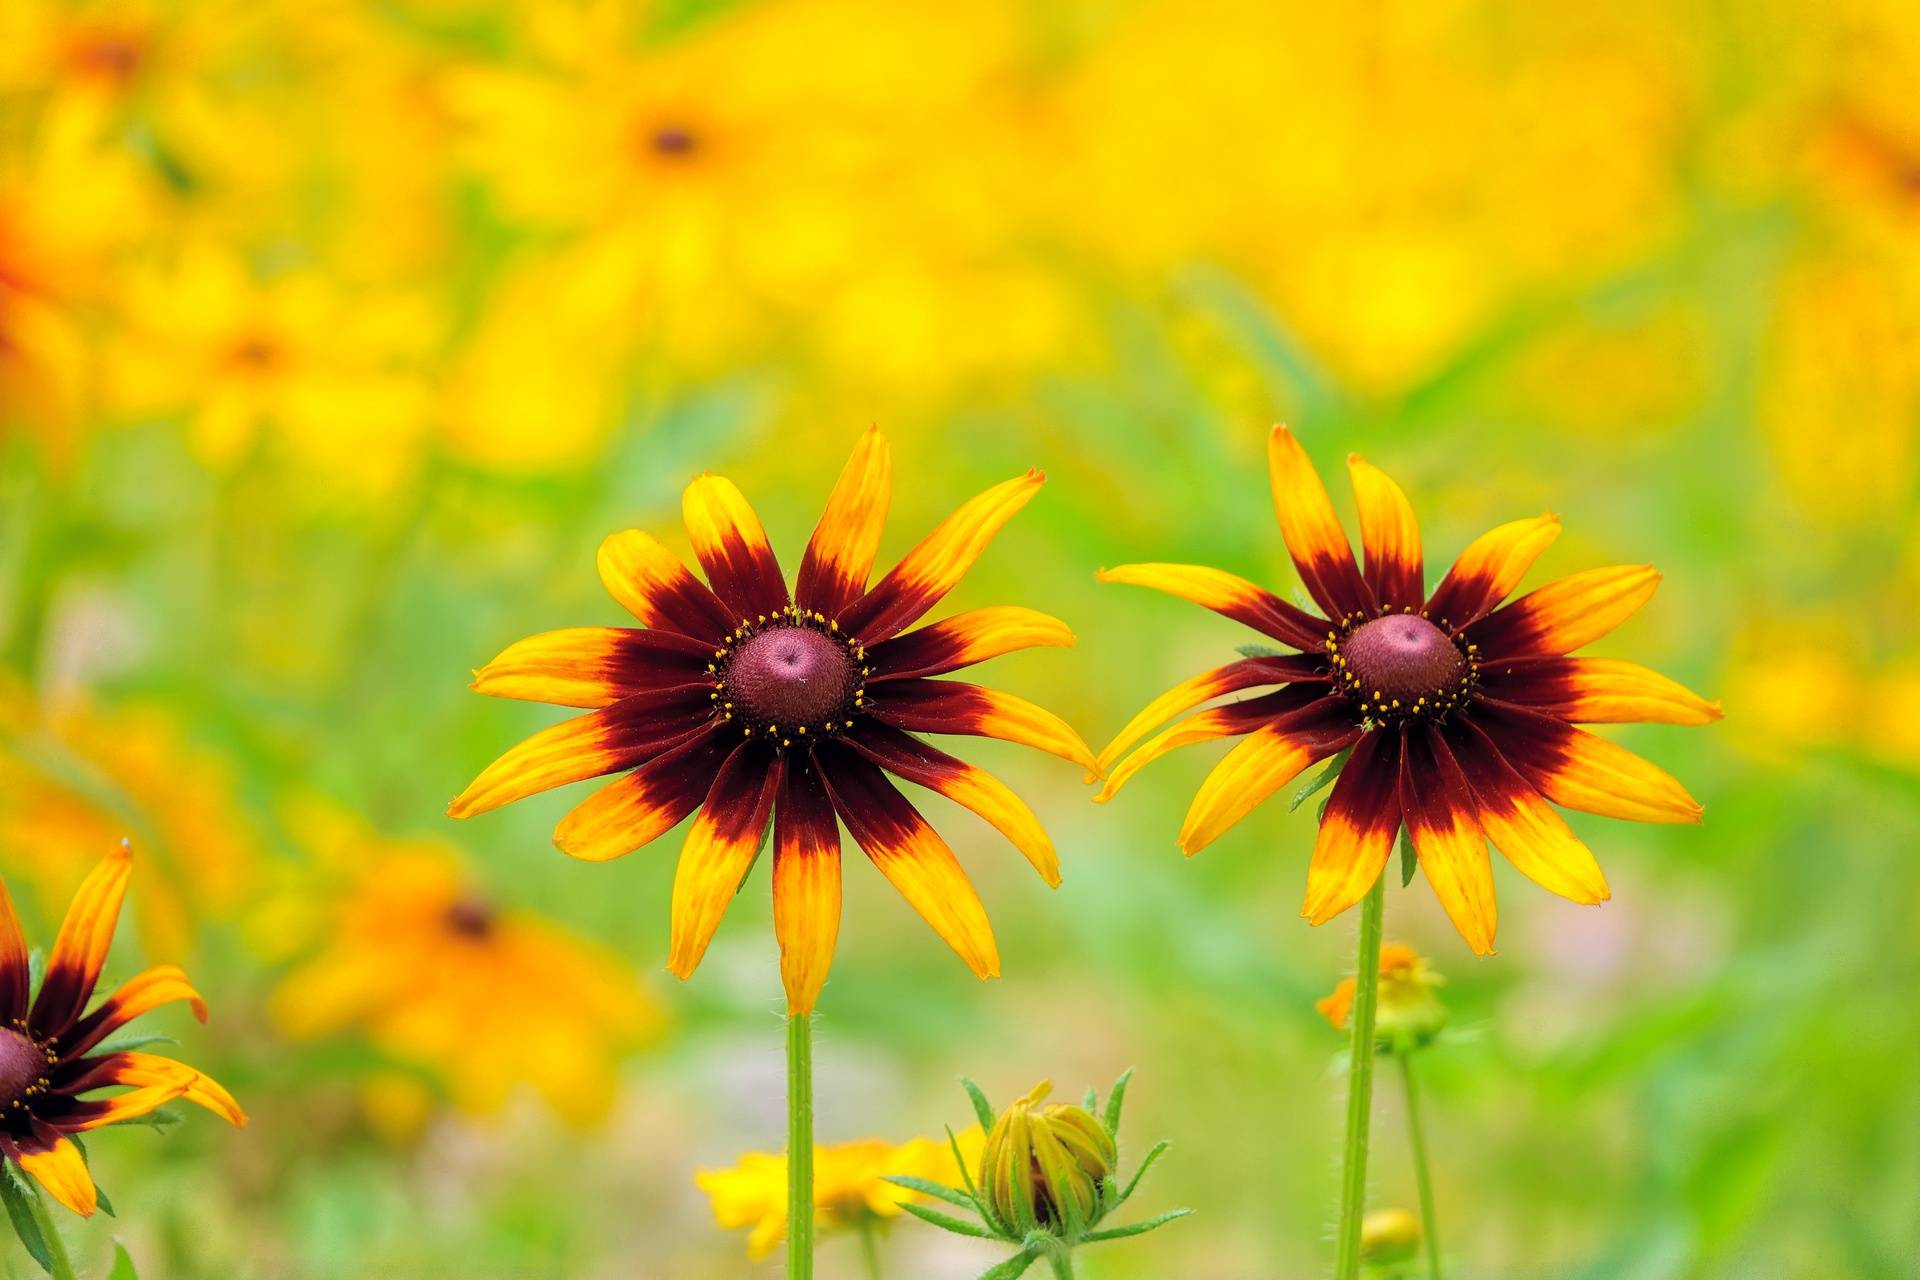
1043	1166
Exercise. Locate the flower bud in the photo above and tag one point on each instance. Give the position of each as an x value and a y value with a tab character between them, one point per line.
1389	1236
1044	1166
1409	1015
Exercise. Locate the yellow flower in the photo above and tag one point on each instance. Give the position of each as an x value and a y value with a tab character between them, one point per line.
1389	1236
1409	1013
483	998
335	380
75	777
849	1184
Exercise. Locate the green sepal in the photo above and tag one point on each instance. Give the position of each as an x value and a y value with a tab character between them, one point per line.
1159	1149
124	1044
122	1264
1116	1097
1090	1102
1321	781
1258	651
966	1174
162	1118
1012	1268
982	1109
1409	860
946	1222
36	969
938	1190
1137	1229
14	1191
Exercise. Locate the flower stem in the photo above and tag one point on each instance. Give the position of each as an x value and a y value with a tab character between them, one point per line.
870	1249
56	1247
1423	1178
1062	1260
1366	996
800	1148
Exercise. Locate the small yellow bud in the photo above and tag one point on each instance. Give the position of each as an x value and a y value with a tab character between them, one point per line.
1410	1014
1043	1166
1389	1236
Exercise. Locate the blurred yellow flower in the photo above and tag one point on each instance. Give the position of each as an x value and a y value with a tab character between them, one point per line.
484	998
1410	1013
850	1191
336	381
76	778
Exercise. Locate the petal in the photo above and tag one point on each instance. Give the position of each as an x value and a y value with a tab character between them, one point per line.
839	558
1595	691
1263	764
1226	721
733	549
964	639
1357	830
592	666
647	803
1489	569
147	990
1248	673
926	573
628	733
656	588
806	883
1562	616
953	706
720	850
1521	824
1318	544
56	1163
1228	594
1453	852
910	855
81	947
1580	770
14	966
148	1071
908	757
1390	536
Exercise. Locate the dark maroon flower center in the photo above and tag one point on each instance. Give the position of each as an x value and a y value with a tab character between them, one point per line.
470	918
675	142
23	1068
791	680
1402	665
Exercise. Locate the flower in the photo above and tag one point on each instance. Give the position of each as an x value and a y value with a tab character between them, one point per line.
48	1049
850	1187
1389	1236
440	979
1410	1013
1044	1166
1458	712
755	705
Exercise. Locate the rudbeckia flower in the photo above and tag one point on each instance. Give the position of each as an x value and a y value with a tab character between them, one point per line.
755	705
1459	711
50	1047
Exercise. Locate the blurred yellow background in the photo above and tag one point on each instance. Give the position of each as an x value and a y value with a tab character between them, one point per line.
334	336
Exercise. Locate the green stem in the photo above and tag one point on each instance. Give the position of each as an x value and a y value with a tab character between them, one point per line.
1422	1176
1062	1260
1366	996
56	1247
800	1148
870	1249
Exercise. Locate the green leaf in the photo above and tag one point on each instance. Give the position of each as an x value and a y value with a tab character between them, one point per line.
1115	1098
945	1222
938	1190
1258	651
981	1107
14	1192
1137	1229
1012	1268
1158	1149
1321	781
1409	860
122	1264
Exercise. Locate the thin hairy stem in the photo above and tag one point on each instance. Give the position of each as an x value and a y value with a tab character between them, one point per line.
800	1148
1366	997
1422	1175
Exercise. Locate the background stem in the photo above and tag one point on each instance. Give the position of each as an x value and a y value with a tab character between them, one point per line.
56	1247
1366	997
870	1249
1423	1178
800	1148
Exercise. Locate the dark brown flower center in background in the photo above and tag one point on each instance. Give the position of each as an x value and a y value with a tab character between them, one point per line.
470	917
791	679
1402	665
675	142
23	1068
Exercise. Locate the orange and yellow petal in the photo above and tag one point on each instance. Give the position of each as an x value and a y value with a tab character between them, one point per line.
1228	594
1596	691
839	557
719	851
1312	531
1357	830
1527	830
806	884
151	1071
646	803
1248	673
1261	765
934	567
1448	840
56	1163
733	549
15	971
650	583
80	949
145	991
1390	537
626	734
592	666
964	639
1580	770
955	707
1226	721
1489	569
1564	615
